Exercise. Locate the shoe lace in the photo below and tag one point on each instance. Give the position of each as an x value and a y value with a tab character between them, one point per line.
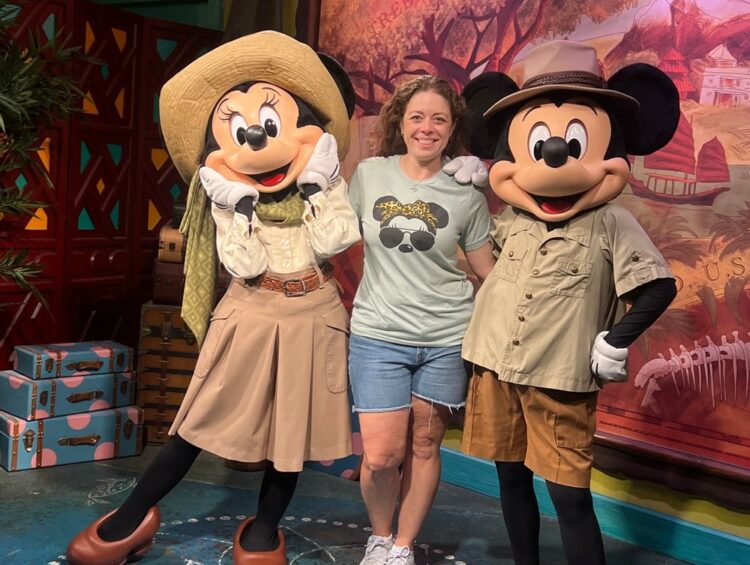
399	556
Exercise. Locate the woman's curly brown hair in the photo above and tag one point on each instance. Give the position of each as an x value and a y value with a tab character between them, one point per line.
388	131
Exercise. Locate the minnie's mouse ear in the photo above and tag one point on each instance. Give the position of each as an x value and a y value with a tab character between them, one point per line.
480	94
652	126
341	77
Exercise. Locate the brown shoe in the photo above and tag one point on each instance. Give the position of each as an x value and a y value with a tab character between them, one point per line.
87	548
242	557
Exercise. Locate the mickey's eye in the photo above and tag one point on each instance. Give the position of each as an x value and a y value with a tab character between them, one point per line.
539	134
270	120
238	126
577	139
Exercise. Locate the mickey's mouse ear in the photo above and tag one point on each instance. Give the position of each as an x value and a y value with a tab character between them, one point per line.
341	77
480	94
651	126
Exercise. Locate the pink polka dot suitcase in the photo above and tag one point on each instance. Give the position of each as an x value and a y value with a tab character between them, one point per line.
85	436
38	399
72	359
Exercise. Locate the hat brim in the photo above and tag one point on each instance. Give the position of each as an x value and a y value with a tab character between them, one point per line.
187	99
537	91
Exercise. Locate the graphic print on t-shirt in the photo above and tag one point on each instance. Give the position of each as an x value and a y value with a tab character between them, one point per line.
408	227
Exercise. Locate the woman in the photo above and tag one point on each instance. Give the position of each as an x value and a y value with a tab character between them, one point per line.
412	306
261	114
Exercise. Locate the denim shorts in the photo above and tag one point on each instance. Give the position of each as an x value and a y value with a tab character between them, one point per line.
386	375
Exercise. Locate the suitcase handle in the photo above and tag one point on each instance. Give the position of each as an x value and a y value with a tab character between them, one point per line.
83	396
94	365
93	439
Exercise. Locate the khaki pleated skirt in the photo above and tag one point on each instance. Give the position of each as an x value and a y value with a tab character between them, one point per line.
271	379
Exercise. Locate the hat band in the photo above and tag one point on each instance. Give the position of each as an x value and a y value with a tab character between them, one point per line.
581	78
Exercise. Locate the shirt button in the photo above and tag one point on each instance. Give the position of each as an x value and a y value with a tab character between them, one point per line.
574	270
521	318
510	254
516	342
543	251
635	258
535	272
529	296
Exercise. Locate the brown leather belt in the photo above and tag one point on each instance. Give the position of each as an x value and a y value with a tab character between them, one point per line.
291	286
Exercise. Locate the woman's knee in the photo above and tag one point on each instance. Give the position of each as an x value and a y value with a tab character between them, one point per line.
383	460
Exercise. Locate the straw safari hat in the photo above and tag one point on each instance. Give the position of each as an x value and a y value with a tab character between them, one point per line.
187	99
561	65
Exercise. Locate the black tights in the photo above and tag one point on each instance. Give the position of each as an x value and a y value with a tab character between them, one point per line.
167	470
579	529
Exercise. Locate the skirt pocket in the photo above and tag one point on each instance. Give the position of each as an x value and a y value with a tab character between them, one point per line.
206	358
337	345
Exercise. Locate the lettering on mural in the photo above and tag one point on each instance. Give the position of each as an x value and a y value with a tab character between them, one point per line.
382	20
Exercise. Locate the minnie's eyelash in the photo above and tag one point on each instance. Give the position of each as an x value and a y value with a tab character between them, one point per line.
271	99
225	111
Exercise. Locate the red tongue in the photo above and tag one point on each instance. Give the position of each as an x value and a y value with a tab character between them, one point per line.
273	179
557	205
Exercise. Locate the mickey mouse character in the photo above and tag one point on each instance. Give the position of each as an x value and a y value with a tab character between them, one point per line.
419	219
256	126
544	336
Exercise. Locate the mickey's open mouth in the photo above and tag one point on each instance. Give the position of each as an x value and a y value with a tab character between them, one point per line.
272	178
557	204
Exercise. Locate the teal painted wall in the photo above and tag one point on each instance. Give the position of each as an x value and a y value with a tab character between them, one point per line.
201	13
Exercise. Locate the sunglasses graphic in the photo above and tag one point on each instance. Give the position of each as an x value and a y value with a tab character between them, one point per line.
421	240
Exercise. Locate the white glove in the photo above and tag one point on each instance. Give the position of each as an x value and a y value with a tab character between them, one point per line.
323	167
607	362
223	192
467	169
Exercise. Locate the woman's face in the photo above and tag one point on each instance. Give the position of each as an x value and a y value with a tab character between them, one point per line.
427	126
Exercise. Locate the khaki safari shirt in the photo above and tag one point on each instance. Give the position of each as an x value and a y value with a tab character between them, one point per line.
551	292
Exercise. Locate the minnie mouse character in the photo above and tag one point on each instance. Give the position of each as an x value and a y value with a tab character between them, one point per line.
545	334
256	126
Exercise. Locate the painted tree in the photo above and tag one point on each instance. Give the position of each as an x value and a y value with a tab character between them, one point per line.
688	27
455	39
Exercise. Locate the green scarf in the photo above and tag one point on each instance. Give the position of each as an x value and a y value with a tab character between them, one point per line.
288	210
200	260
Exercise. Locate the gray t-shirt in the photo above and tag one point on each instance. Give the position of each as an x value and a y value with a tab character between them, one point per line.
412	291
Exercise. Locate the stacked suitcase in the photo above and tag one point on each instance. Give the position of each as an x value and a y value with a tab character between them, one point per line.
67	403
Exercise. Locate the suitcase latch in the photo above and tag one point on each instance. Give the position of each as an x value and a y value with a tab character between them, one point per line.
43	398
28	440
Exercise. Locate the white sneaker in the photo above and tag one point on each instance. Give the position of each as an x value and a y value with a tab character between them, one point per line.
400	555
377	550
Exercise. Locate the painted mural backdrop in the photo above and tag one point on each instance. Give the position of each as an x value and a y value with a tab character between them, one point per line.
689	388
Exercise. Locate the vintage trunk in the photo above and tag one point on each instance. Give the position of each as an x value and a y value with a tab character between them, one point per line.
167	354
72	359
172	245
89	436
38	399
169	283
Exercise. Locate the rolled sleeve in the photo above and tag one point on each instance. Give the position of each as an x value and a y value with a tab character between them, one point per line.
239	247
330	221
635	259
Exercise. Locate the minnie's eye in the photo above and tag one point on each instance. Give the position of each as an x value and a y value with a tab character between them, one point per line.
577	139
238	127
539	134
270	120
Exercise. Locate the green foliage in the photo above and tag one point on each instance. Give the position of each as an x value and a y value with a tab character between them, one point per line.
36	87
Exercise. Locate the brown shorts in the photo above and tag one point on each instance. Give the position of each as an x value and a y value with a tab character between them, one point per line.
551	431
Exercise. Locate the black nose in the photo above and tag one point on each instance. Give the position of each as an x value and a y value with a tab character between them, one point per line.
256	137
555	152
405	248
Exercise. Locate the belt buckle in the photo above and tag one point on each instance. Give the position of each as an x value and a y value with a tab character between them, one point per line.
292	293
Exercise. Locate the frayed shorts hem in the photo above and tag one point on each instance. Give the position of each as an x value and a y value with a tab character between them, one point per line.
375	410
448	405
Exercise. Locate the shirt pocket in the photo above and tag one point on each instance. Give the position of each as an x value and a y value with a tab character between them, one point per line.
509	263
337	345
207	357
572	277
